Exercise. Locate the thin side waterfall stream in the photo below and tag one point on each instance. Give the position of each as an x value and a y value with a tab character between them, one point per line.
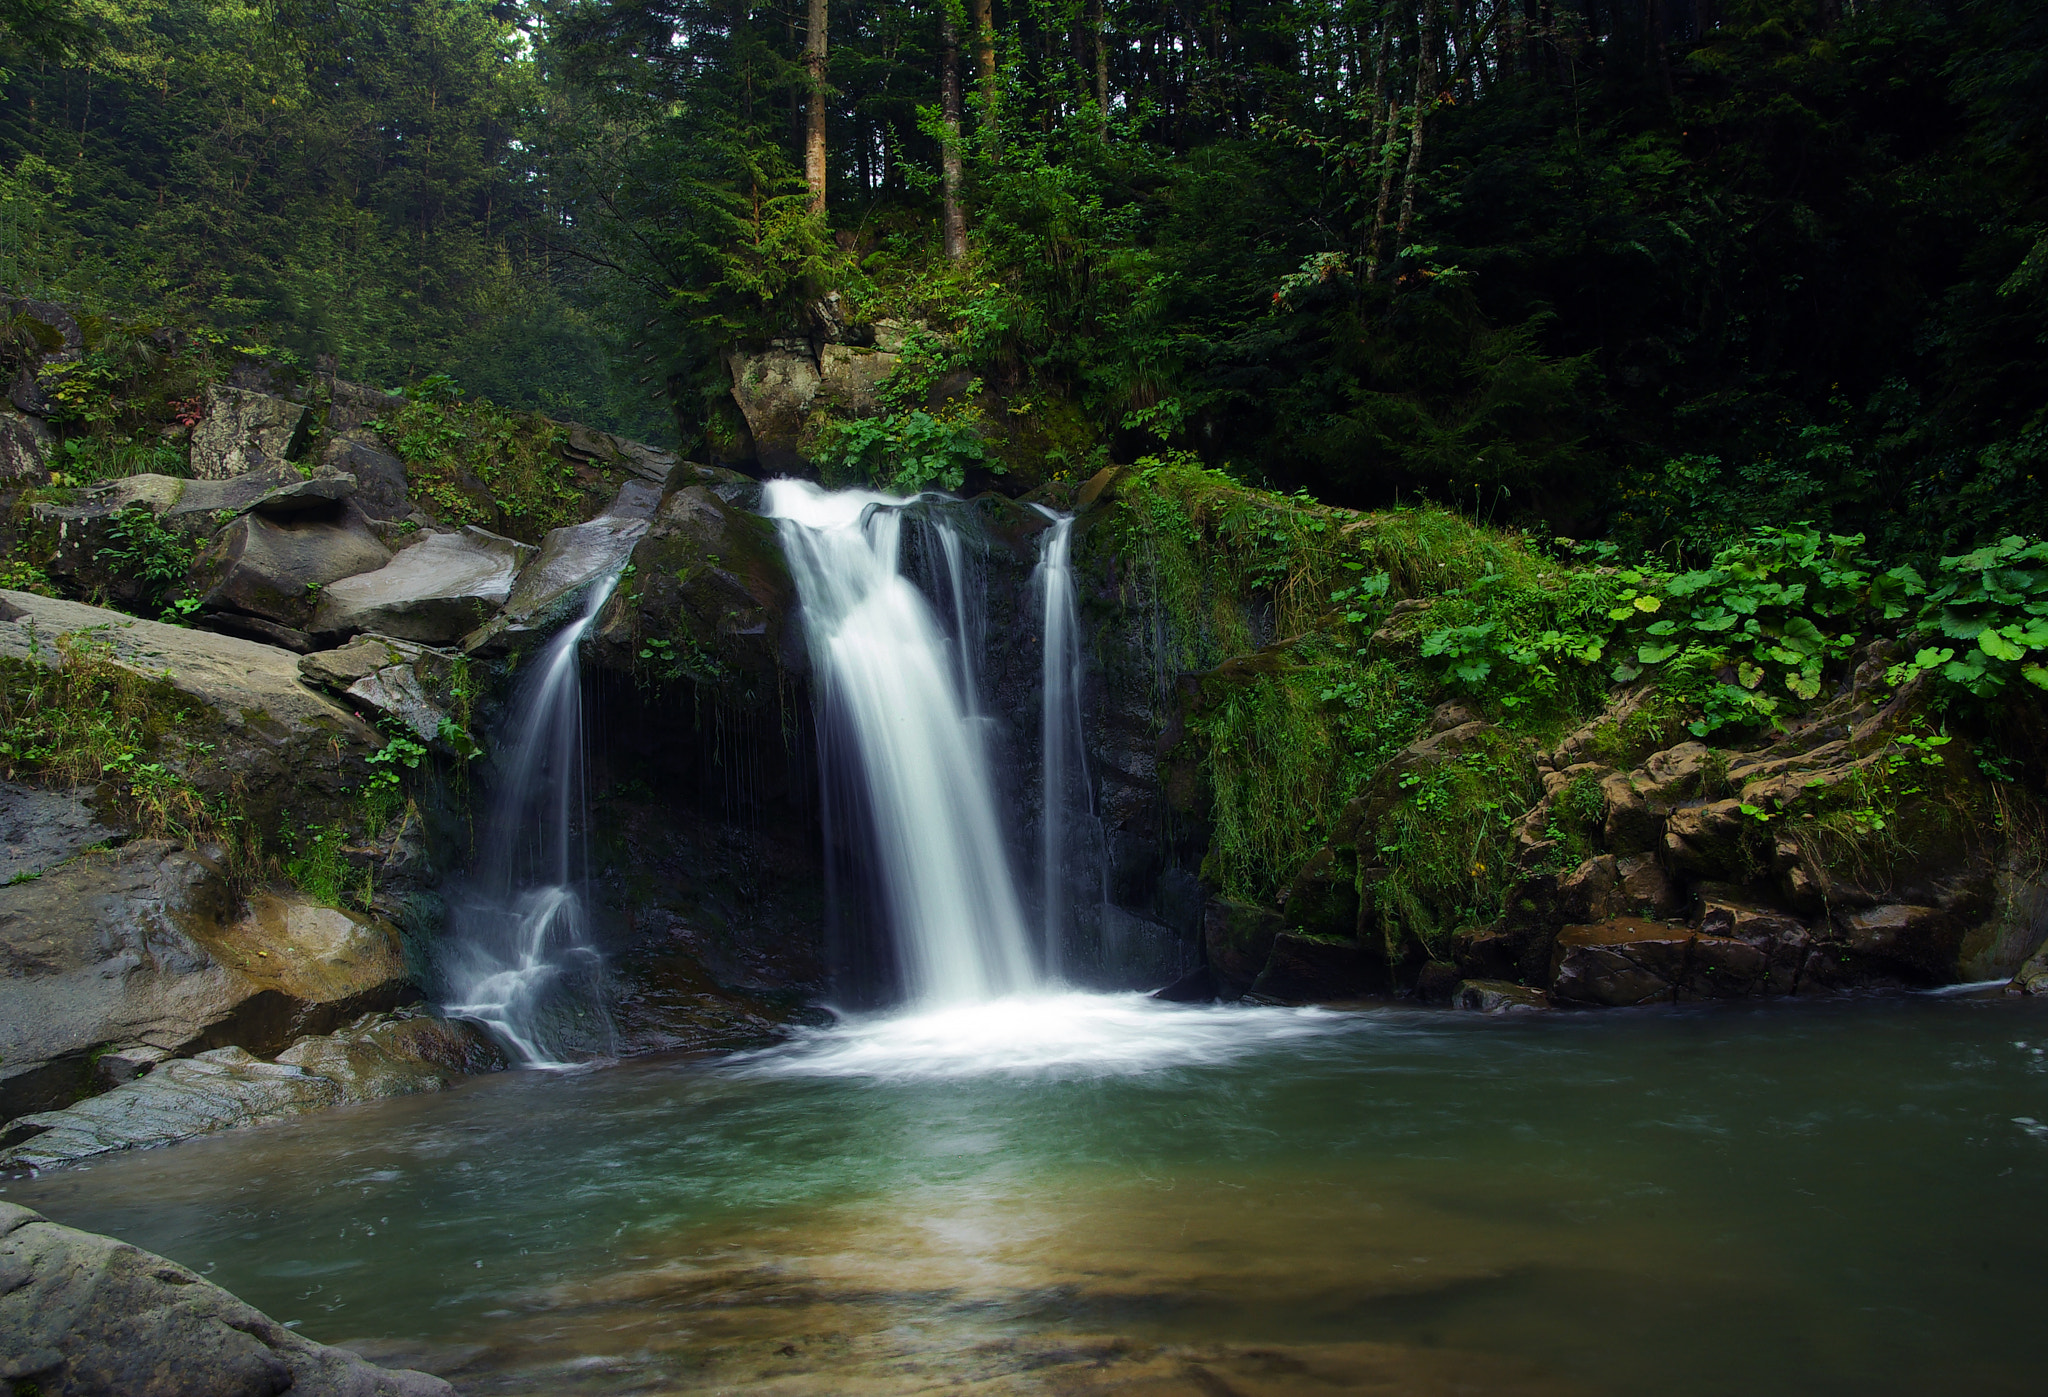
519	958
1063	752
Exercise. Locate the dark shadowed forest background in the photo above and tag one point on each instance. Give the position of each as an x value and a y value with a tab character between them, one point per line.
1653	270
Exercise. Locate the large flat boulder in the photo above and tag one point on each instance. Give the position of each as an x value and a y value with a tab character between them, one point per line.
83	1315
276	564
245	431
277	742
434	592
141	946
556	586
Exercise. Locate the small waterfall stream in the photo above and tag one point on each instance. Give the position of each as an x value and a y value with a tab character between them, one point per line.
520	959
885	680
1063	787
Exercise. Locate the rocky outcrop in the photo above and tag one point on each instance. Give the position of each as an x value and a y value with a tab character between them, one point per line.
25	446
142	947
245	431
276	741
83	1315
775	387
275	561
435	592
1854	849
710	598
379	1055
58	340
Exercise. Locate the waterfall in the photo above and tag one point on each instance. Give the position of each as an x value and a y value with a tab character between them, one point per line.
1063	758
519	959
884	679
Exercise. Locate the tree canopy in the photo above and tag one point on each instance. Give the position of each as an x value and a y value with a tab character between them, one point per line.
1662	269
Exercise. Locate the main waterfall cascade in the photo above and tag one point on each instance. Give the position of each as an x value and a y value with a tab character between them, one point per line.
885	679
520	959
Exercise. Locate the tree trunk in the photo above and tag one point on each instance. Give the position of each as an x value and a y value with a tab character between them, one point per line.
814	130
949	112
1425	98
984	43
1096	25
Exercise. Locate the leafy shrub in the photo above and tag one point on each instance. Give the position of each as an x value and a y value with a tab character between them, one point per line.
473	462
1994	603
142	549
905	451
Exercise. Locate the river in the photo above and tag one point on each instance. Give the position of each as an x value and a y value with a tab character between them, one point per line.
1083	1193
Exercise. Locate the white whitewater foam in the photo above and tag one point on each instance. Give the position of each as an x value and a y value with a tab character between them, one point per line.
1066	1034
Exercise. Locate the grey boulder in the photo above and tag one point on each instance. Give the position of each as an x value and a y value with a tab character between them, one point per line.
434	592
277	567
557	585
25	445
380	476
245	431
141	947
83	1315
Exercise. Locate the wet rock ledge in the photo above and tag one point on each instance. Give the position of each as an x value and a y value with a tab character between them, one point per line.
86	1316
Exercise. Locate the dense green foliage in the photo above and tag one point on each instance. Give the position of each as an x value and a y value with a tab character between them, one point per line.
1322	640
1642	271
329	179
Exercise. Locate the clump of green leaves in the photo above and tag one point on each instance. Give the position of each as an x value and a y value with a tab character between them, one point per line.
1763	627
1992	604
140	548
87	721
904	452
473	462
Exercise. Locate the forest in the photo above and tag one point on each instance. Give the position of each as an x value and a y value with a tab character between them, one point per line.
1116	698
1648	271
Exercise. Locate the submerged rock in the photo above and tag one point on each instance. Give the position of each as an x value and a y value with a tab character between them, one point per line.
1238	938
83	1315
379	1055
1499	997
1304	970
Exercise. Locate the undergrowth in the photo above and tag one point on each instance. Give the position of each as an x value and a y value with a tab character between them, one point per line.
84	721
473	462
1324	638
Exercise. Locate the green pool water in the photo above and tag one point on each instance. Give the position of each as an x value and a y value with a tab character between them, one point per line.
1081	1194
